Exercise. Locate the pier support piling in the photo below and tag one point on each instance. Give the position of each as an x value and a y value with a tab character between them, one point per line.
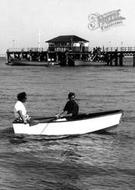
121	59
133	60
116	58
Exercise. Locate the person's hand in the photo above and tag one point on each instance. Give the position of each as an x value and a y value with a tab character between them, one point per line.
28	117
57	116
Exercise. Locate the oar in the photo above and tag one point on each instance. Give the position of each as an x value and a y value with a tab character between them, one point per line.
37	120
50	119
43	118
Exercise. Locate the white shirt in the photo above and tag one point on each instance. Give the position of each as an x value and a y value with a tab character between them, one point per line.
19	106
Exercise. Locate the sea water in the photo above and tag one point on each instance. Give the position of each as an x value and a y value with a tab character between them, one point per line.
87	162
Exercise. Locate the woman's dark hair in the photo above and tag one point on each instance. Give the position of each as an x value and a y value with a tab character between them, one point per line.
71	94
21	96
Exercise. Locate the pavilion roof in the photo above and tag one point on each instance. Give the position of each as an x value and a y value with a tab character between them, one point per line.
66	38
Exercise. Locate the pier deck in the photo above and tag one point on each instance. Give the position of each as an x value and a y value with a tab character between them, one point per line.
67	58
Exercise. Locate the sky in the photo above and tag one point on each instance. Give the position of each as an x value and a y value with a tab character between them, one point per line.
24	22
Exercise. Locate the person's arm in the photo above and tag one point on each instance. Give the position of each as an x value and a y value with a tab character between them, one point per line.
22	116
63	114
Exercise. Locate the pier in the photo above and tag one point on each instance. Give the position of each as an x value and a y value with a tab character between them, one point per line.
116	57
65	50
59	51
111	58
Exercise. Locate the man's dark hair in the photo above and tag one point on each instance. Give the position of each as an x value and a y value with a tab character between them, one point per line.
71	94
21	96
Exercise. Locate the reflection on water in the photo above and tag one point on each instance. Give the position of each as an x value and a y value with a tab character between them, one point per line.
92	161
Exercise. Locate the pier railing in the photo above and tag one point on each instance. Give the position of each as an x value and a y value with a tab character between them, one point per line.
120	49
103	49
123	48
26	49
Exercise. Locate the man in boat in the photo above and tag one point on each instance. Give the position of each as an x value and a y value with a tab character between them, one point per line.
71	108
20	111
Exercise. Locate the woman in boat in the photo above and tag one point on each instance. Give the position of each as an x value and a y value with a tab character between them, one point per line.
71	108
20	111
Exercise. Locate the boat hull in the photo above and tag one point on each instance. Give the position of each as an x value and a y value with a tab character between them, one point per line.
30	63
90	123
88	63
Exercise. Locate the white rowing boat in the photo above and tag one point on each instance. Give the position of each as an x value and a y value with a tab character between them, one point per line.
84	123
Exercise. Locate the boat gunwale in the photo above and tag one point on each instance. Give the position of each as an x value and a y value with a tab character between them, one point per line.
82	117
